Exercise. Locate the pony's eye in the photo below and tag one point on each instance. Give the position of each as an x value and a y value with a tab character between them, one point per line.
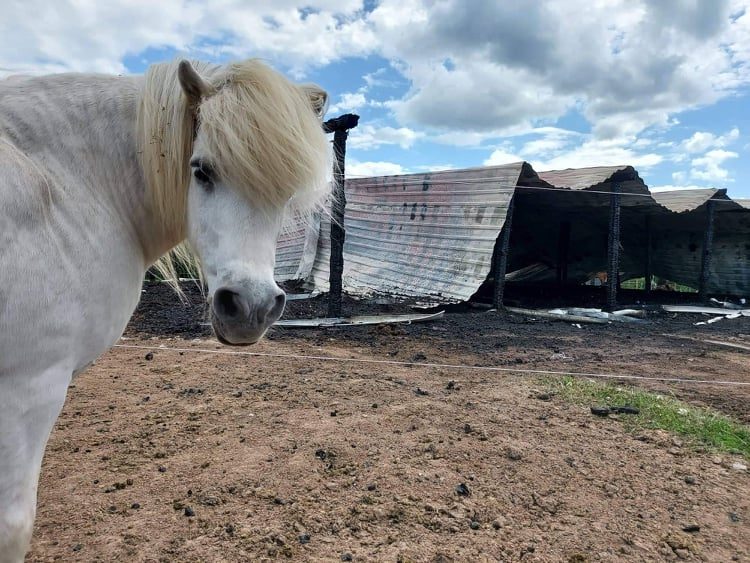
204	173
201	176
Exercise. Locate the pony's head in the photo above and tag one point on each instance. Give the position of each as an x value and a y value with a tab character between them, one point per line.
242	150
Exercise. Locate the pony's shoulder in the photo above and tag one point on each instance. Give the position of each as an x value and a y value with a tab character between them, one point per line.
25	190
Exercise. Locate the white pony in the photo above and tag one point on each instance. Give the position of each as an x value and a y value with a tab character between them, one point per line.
100	176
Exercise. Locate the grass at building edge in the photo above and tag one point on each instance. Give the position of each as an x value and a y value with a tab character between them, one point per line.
702	426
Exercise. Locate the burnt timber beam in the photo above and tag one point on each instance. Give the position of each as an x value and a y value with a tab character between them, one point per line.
339	126
613	248
708	243
501	257
563	252
647	268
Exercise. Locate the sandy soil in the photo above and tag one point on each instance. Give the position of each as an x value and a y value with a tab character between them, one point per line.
164	455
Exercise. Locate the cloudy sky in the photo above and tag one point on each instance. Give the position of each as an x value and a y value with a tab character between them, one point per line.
663	85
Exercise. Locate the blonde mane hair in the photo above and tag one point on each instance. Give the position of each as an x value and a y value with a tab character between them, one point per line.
263	131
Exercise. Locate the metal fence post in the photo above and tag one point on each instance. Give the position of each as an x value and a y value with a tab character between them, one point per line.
613	248
340	128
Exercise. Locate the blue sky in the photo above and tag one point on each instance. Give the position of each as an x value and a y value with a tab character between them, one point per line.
663	85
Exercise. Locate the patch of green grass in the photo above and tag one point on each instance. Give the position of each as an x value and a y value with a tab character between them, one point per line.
702	425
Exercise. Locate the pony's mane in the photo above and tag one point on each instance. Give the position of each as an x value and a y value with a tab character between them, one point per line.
260	127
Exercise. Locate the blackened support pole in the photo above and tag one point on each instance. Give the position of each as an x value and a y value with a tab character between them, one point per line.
340	129
501	258
647	270
708	243
563	252
613	248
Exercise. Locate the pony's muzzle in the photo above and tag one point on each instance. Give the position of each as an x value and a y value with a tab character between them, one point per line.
242	315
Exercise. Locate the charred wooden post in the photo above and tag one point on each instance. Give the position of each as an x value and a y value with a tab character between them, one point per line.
647	271
613	248
563	252
501	257
340	128
708	243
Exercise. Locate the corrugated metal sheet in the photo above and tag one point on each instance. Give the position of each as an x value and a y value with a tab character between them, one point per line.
680	201
296	248
422	234
591	178
433	235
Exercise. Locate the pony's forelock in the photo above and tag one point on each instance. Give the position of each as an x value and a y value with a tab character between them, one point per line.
259	129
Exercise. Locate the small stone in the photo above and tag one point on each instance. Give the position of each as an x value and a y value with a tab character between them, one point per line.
737	466
347	557
463	490
450	385
189	511
303	538
135	506
734	517
374	405
513	454
498	522
162	469
372	487
149	356
474	525
544	397
691	528
717	460
77	547
421	392
690	480
682	553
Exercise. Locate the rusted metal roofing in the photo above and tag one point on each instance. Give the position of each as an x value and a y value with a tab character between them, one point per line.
681	201
427	234
433	235
595	177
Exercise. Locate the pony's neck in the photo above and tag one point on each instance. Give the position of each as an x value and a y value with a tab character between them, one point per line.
81	129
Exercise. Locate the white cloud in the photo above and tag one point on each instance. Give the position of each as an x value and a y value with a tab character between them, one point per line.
702	141
370	137
355	169
499	156
486	67
95	36
597	152
348	102
708	168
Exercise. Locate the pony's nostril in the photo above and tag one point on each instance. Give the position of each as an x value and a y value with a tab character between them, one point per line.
229	304
275	309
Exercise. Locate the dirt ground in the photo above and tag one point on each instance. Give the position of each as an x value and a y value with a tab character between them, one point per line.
199	455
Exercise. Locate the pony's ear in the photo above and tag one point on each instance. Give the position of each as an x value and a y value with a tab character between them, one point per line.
193	85
318	98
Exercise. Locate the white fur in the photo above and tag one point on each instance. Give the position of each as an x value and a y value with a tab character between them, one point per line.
77	233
